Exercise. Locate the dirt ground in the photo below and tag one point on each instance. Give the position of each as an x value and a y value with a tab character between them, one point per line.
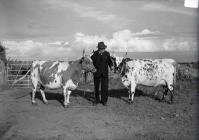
146	119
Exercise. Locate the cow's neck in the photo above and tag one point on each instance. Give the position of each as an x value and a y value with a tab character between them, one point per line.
76	71
123	68
76	64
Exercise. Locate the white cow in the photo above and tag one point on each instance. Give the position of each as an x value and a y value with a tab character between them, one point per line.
118	59
147	72
53	75
57	74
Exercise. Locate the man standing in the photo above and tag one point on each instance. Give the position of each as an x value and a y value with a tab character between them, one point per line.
101	61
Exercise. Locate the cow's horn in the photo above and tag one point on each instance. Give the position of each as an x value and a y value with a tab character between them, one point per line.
113	53
83	53
125	55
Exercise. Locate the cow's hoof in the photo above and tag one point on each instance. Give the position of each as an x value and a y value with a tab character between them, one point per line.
46	102
34	103
170	102
130	101
66	106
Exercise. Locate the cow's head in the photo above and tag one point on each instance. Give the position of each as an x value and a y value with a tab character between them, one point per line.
113	60
116	62
122	67
119	61
87	63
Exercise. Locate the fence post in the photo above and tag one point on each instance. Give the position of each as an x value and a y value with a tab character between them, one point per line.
2	74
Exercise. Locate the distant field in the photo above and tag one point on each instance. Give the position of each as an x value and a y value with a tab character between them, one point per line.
179	56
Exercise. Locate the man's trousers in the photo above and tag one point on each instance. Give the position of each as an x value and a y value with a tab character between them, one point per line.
104	88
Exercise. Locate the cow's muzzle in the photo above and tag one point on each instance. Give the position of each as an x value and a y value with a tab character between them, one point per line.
93	70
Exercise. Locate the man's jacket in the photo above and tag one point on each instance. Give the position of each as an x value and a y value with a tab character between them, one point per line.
101	63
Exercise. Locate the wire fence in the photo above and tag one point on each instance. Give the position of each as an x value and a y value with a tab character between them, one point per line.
17	69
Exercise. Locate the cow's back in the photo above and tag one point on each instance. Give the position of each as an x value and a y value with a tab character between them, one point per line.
150	72
48	73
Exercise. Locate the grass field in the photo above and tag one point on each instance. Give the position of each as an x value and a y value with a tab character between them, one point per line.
146	119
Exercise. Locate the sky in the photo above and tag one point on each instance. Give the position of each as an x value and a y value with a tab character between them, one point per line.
57	29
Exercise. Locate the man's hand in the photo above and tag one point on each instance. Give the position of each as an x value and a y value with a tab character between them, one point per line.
112	68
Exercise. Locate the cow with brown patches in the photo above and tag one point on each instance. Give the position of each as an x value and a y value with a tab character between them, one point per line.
147	72
53	75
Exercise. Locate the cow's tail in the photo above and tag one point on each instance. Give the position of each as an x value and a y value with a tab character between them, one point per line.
20	78
167	90
174	75
174	83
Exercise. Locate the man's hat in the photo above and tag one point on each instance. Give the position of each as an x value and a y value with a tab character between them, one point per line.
101	45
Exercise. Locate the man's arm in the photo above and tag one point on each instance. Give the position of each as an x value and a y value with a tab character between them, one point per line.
110	63
93	58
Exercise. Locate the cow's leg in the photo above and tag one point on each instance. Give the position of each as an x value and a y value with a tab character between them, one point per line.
132	91
33	95
66	96
129	91
34	90
65	92
43	95
165	87
171	91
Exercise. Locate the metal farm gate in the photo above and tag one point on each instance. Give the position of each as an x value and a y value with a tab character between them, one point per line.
17	69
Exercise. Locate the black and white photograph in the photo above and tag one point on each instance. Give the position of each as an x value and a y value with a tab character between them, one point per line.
99	70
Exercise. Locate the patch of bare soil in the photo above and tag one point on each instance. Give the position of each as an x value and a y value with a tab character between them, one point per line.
145	119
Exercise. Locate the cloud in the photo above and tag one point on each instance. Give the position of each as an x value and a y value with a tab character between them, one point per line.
175	45
59	43
90	12
120	41
86	41
125	40
166	8
93	12
112	20
36	50
147	32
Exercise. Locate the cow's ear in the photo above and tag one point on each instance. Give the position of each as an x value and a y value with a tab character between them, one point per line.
83	54
127	68
81	60
70	62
